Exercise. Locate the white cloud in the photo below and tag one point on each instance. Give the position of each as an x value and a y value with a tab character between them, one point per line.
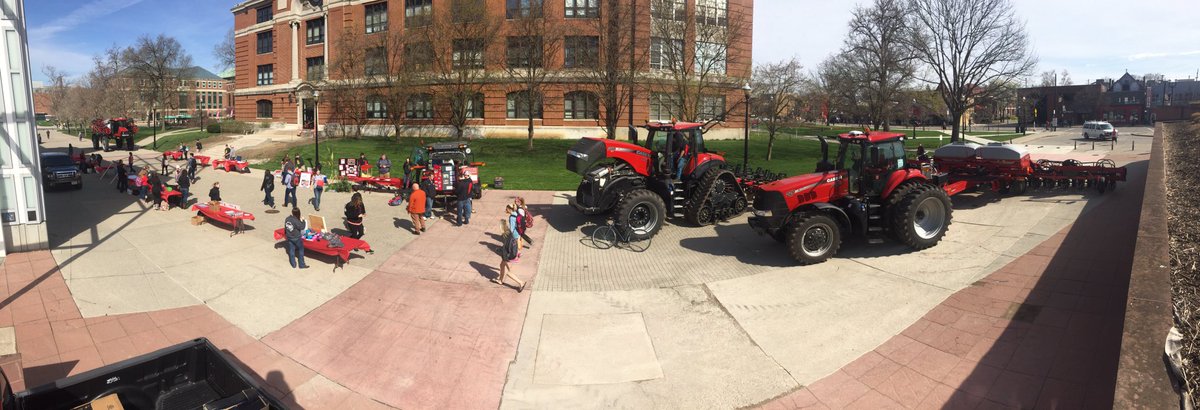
84	14
72	62
1144	56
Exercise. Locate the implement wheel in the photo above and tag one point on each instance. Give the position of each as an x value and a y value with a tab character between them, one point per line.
643	212
813	238
922	217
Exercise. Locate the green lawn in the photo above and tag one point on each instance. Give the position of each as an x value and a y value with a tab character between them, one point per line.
545	167
45	123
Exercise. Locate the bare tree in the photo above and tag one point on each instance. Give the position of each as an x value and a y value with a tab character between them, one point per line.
1065	78
971	49
689	56
877	49
839	83
612	66
452	51
57	81
226	52
348	86
1049	78
532	38
776	85
155	65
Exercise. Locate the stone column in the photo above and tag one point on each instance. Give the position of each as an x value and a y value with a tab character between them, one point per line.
295	51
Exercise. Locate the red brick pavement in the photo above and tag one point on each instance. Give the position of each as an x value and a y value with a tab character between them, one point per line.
1042	332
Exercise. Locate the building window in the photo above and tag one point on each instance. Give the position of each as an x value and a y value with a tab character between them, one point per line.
262	14
475	106
666	53
314	68
669	9
712	107
582	8
581	51
418	56
518	105
710	58
376	108
417	12
524	52
376	17
468	53
663	106
580	105
314	31
376	61
712	12
266	74
264	108
266	42
419	106
523	8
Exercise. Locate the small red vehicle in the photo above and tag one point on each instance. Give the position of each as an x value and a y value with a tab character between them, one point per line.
442	162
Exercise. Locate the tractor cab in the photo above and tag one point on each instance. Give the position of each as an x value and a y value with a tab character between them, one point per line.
444	161
869	158
678	148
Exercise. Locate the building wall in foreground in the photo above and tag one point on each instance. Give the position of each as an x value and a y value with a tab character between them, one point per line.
22	218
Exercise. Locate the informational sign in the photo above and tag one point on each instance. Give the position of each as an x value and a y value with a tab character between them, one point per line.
348	167
305	179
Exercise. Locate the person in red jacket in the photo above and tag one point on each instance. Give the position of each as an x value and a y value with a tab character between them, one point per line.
416	208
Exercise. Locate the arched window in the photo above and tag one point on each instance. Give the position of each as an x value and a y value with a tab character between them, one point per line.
264	108
419	106
475	106
376	108
580	105
519	105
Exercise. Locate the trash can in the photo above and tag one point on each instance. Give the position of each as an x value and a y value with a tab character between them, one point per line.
498	183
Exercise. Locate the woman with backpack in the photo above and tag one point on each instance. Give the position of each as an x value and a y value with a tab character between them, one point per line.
355	211
508	251
524	222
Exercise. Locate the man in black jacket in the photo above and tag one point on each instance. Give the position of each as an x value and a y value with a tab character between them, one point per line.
463	188
191	166
293	231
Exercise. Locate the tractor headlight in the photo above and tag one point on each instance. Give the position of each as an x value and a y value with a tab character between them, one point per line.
764	213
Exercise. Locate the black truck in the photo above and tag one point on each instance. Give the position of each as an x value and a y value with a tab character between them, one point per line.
190	375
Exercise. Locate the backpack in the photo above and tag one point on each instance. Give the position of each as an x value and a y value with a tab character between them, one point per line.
509	250
527	220
287	179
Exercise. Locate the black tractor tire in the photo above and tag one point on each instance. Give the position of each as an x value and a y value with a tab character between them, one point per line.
922	217
1019	188
700	206
896	196
643	212
813	238
476	192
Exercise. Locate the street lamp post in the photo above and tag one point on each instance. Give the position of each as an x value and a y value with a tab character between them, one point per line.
316	130
746	130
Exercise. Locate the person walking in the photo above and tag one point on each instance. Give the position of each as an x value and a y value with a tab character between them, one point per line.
268	186
427	188
191	166
408	171
143	183
508	254
463	188
385	166
199	146
355	211
299	161
156	192
416	209
293	231
185	183
514	219
318	182
523	222
122	177
289	188
163	161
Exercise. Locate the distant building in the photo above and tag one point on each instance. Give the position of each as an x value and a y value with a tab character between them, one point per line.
22	215
201	93
41	105
1126	101
230	87
1174	100
1070	104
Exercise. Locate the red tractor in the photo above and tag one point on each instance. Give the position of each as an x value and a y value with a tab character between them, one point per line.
639	184
872	191
117	131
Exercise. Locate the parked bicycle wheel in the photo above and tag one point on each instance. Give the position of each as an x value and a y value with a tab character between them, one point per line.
604	237
640	246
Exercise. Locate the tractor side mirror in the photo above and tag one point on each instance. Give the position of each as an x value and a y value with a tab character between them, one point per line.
824	149
633	134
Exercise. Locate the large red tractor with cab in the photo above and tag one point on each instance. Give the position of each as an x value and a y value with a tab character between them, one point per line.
672	175
871	190
118	132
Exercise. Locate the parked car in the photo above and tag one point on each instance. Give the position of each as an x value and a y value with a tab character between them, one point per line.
1099	130
60	169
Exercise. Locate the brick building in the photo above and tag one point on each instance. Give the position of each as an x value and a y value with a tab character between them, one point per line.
283	48
200	92
1126	101
1070	104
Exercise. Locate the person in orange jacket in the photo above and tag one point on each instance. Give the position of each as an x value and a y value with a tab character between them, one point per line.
416	208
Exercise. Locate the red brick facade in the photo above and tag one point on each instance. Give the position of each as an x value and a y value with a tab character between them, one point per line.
350	15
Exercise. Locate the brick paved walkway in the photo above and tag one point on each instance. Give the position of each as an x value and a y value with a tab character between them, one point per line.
1042	332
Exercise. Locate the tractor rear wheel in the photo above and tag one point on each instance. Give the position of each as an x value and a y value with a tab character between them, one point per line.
922	217
813	238
643	212
717	197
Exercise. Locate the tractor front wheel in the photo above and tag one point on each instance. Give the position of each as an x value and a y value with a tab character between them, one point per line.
643	212
813	238
921	217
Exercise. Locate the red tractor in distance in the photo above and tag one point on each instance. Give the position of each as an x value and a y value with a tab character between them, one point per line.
639	184
117	131
871	191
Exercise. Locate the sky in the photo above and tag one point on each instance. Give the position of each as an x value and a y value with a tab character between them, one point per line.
1091	39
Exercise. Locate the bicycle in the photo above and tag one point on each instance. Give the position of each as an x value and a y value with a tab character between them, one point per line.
614	234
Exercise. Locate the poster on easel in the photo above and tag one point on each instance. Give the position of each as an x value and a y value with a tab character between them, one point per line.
348	167
305	179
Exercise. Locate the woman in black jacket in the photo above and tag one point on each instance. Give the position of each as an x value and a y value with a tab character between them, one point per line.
156	191
355	211
268	185
214	194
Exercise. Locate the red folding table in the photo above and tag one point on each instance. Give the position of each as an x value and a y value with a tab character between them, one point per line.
321	246
225	214
230	165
